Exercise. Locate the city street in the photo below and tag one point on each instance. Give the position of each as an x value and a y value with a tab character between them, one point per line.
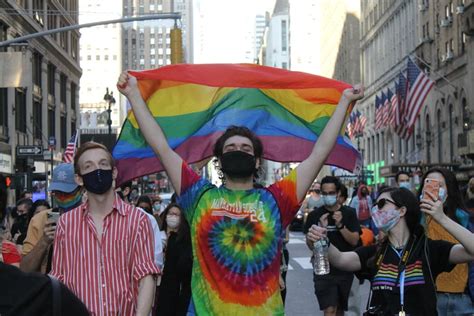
300	298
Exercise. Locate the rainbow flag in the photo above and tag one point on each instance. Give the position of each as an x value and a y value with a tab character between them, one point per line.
194	104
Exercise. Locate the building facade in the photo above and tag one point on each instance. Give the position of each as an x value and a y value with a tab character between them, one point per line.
388	35
101	62
432	34
47	104
146	45
445	50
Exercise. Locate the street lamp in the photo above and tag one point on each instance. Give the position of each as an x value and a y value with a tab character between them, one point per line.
109	98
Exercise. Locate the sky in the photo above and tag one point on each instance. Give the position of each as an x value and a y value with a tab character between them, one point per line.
223	27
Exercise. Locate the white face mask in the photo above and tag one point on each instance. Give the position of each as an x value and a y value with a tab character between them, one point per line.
172	221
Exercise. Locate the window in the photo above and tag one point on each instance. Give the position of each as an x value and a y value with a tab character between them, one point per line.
115	57
52	22
51	80
38	11
439	136
51	123
106	57
20	110
63	87
89	57
37	65
4	109
3	35
283	36
97	57
73	96
463	42
74	45
63	38
63	131
451	135
37	119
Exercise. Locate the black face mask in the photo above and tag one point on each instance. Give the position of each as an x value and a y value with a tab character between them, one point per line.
98	181
238	164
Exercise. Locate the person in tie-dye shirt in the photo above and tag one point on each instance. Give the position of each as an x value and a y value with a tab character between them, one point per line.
236	228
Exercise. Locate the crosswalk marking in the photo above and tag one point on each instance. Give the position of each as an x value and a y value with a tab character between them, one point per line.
304	262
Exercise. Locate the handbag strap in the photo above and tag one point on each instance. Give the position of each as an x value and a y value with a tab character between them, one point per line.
56	288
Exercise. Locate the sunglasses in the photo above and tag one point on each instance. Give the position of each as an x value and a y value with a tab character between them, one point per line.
317	191
381	203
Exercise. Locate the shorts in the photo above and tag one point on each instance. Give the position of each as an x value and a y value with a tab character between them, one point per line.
454	304
333	291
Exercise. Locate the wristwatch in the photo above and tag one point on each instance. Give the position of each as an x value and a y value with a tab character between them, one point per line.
341	226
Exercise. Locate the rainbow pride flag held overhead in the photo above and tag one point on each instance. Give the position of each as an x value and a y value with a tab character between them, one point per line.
194	104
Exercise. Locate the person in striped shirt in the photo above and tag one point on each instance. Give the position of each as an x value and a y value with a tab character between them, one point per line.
103	249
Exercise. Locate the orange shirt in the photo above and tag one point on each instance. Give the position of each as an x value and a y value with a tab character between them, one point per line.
456	280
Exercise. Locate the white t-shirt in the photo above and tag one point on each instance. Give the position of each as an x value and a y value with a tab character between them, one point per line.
157	236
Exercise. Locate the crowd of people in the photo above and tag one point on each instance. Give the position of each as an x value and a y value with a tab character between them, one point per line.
104	250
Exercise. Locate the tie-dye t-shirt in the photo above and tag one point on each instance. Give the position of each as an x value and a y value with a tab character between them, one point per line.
236	244
419	297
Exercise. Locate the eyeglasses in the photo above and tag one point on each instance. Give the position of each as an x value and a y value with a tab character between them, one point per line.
317	191
381	203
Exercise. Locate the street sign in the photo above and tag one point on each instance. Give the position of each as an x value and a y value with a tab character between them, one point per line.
52	141
28	151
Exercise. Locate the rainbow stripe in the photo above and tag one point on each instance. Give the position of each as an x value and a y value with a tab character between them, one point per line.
194	104
388	273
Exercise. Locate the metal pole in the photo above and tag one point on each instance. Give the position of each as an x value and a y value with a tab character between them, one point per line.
162	16
52	152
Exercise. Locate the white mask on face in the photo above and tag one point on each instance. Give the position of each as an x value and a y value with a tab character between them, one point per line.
172	221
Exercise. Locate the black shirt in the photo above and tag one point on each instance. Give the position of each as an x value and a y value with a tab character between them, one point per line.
420	294
349	219
31	294
175	287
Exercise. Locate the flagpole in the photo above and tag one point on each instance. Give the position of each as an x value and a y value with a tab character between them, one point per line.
436	73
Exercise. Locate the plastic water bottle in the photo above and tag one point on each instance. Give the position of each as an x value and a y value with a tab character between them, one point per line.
321	257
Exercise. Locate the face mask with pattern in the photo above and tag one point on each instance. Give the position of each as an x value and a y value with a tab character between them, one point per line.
68	201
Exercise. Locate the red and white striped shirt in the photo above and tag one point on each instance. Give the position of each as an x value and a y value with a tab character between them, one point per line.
104	271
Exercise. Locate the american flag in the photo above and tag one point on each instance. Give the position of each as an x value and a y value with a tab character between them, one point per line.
394	108
68	156
351	125
401	97
362	122
385	103
387	108
378	112
419	85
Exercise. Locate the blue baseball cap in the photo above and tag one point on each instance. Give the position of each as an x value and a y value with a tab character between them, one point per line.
63	178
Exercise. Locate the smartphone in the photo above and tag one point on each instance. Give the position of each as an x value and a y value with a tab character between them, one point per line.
53	216
431	186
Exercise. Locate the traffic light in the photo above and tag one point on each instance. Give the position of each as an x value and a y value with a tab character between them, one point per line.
176	46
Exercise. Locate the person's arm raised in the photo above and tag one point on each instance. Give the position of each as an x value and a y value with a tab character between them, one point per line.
310	167
172	162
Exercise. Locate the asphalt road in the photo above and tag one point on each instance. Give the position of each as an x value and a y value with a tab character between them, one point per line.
300	298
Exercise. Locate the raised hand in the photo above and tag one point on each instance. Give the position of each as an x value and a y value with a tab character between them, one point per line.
127	84
355	93
432	207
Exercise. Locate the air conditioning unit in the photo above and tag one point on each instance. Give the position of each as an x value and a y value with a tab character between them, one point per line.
449	55
427	39
446	22
460	9
423	7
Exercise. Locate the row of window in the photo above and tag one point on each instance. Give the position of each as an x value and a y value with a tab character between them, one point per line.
98	57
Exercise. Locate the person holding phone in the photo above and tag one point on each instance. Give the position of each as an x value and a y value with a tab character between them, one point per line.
456	288
66	194
403	266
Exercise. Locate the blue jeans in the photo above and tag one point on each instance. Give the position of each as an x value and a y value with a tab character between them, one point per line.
450	304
